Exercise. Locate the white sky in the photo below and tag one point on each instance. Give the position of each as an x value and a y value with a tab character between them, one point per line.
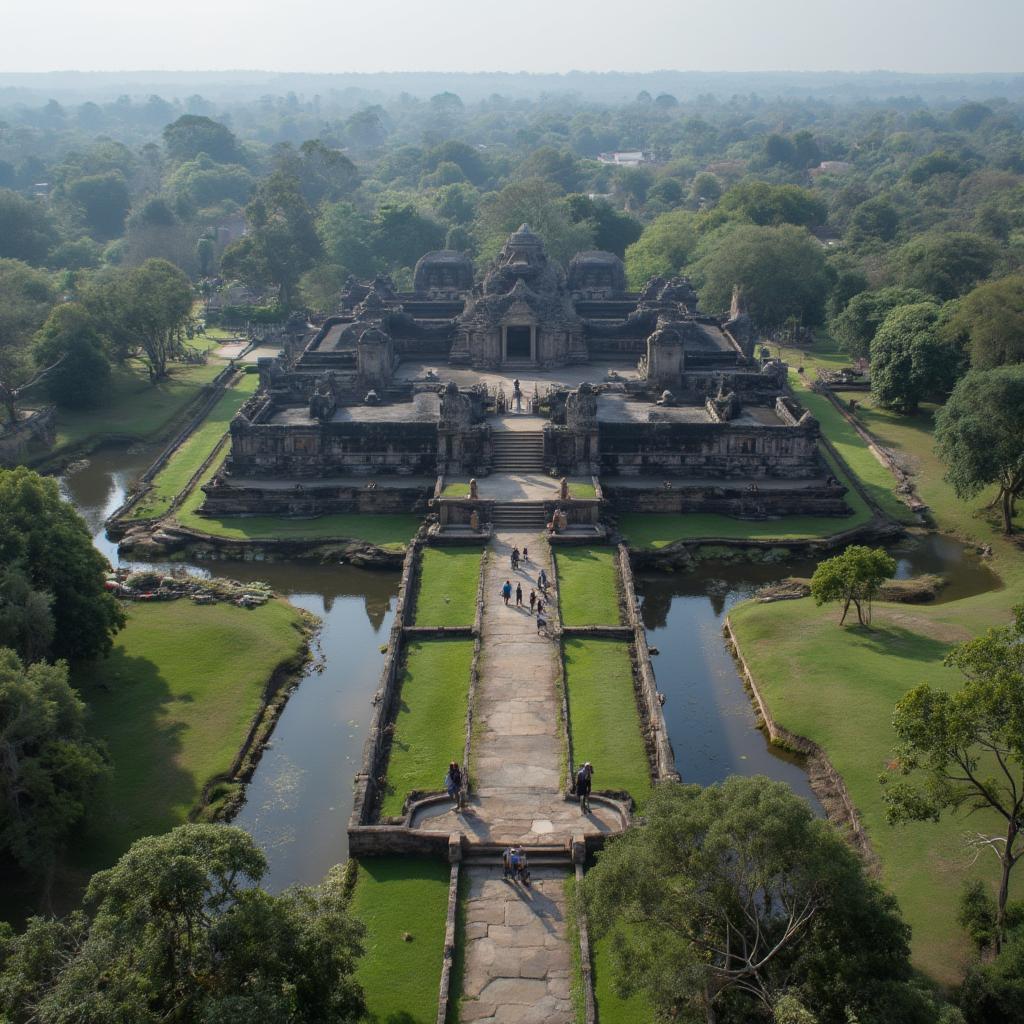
512	35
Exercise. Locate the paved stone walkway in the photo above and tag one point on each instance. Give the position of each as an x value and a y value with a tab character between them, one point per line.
518	964
517	728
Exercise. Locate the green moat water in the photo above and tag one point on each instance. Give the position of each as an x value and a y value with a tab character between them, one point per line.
299	800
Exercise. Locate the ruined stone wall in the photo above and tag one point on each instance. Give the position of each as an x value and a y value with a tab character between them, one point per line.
333	449
733	501
223	498
717	450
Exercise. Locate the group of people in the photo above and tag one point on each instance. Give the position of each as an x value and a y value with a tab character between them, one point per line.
537	601
514	866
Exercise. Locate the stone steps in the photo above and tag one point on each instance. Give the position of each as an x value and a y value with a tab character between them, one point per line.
519	515
517	451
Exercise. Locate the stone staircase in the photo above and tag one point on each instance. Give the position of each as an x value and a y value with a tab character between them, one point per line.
538	855
518	516
517	451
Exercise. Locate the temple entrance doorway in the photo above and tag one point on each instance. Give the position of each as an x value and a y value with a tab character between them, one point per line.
519	344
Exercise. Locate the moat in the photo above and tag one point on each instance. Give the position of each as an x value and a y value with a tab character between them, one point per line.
300	798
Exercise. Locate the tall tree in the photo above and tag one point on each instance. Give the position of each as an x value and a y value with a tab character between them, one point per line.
50	541
781	271
70	343
152	304
26	230
946	263
979	435
282	242
48	767
912	359
992	316
860	319
965	750
181	933
104	201
193	134
731	895
664	248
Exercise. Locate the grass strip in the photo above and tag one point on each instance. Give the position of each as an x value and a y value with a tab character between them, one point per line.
395	897
455	490
173	702
588	587
131	407
603	715
613	1008
193	451
430	727
577	490
447	587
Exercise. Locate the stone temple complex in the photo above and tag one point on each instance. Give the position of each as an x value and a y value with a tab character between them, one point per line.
670	409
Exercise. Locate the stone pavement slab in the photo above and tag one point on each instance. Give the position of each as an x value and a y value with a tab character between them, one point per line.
517	960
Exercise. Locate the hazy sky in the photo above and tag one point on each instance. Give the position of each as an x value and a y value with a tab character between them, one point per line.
512	35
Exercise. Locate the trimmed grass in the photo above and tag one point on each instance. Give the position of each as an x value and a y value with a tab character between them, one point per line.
875	477
394	896
391	532
839	686
603	716
173	703
582	491
611	1007
191	454
132	407
588	587
430	729
455	490
447	587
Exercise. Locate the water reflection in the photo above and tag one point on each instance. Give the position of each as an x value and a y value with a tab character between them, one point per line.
299	800
708	712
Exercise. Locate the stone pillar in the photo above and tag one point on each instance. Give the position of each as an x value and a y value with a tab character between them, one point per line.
665	358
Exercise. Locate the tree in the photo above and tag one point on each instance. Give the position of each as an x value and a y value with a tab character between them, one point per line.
51	542
946	264
204	182
664	248
180	932
854	577
857	324
401	235
729	896
613	230
979	435
26	615
324	174
781	271
912	359
26	297
965	750
467	157
104	202
345	234
539	204
48	768
282	242
26	231
992	316
320	287
193	134
761	203
70	342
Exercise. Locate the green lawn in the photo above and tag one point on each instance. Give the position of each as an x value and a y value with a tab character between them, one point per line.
838	687
658	531
447	587
455	490
588	587
132	407
577	490
395	896
605	723
191	454
878	481
173	703
391	532
611	1007
430	728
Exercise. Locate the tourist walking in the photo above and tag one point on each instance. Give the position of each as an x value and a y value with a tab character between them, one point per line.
514	558
526	553
542	620
519	595
506	863
522	868
453	784
542	579
506	591
517	394
533	601
583	786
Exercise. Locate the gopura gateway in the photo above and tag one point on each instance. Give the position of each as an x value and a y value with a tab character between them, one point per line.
670	408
